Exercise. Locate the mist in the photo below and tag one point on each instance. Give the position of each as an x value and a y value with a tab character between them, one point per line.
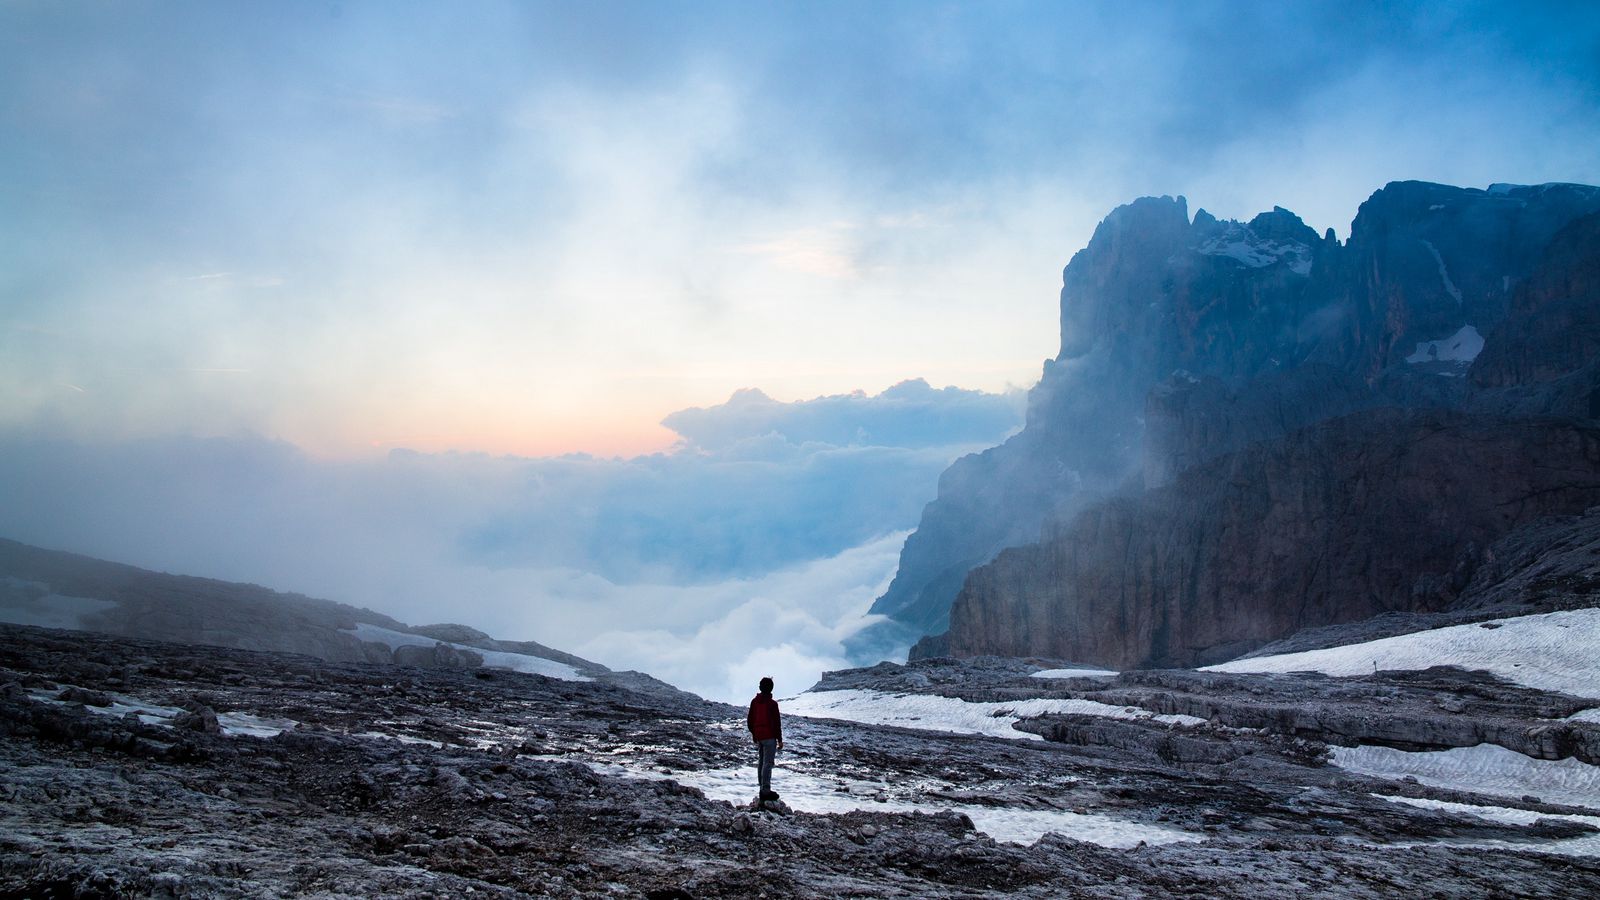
763	549
438	313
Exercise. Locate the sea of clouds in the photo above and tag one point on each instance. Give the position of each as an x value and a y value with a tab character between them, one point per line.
752	548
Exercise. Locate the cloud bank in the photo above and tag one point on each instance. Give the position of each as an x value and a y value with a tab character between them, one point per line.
546	225
754	544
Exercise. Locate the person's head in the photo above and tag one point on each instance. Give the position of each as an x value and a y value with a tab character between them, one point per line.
766	685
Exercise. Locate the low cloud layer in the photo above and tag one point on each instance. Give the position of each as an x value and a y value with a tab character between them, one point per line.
754	545
910	414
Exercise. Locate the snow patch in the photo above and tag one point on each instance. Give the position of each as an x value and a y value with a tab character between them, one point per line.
402	738
1074	673
1592	714
808	793
1444	273
235	724
957	716
1589	845
1483	769
232	724
25	602
1240	243
1550	651
1461	347
516	662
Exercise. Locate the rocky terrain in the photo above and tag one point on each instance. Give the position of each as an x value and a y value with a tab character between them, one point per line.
1253	430
140	768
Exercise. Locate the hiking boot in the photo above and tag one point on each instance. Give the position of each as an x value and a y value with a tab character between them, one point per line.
769	795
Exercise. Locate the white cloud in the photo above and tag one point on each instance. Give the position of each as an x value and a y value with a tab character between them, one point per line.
790	625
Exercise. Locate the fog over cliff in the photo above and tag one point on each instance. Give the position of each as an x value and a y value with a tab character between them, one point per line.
757	543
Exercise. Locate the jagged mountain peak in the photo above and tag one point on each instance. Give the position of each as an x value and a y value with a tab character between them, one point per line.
1277	328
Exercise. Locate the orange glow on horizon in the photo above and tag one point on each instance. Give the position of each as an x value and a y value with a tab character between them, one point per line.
596	439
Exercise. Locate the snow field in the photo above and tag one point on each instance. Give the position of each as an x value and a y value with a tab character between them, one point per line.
1550	651
957	716
1484	769
516	662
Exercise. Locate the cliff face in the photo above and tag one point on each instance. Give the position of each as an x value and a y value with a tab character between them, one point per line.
1186	341
1338	522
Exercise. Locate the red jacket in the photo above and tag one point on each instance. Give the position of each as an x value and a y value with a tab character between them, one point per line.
763	718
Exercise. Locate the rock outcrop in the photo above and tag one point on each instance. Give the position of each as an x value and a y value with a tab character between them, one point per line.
1187	342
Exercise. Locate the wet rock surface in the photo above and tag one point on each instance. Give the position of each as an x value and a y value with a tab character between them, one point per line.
358	779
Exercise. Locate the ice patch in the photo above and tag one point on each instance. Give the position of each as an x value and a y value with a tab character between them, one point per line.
1461	347
957	716
1074	673
516	662
1551	651
1484	769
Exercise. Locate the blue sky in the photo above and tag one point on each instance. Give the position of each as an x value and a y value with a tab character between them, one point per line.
248	251
539	228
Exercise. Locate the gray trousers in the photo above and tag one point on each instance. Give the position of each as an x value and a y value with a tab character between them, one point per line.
766	752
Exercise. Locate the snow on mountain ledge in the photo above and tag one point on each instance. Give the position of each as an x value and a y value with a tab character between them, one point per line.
516	662
957	716
1461	347
1240	243
1551	651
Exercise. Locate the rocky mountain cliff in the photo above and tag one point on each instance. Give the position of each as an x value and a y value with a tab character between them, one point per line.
1448	323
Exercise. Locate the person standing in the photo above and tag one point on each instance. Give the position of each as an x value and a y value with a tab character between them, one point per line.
767	731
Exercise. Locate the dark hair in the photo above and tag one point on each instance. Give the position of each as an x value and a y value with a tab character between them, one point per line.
766	685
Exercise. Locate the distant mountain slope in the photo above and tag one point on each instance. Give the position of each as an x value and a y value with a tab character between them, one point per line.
65	590
1190	341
